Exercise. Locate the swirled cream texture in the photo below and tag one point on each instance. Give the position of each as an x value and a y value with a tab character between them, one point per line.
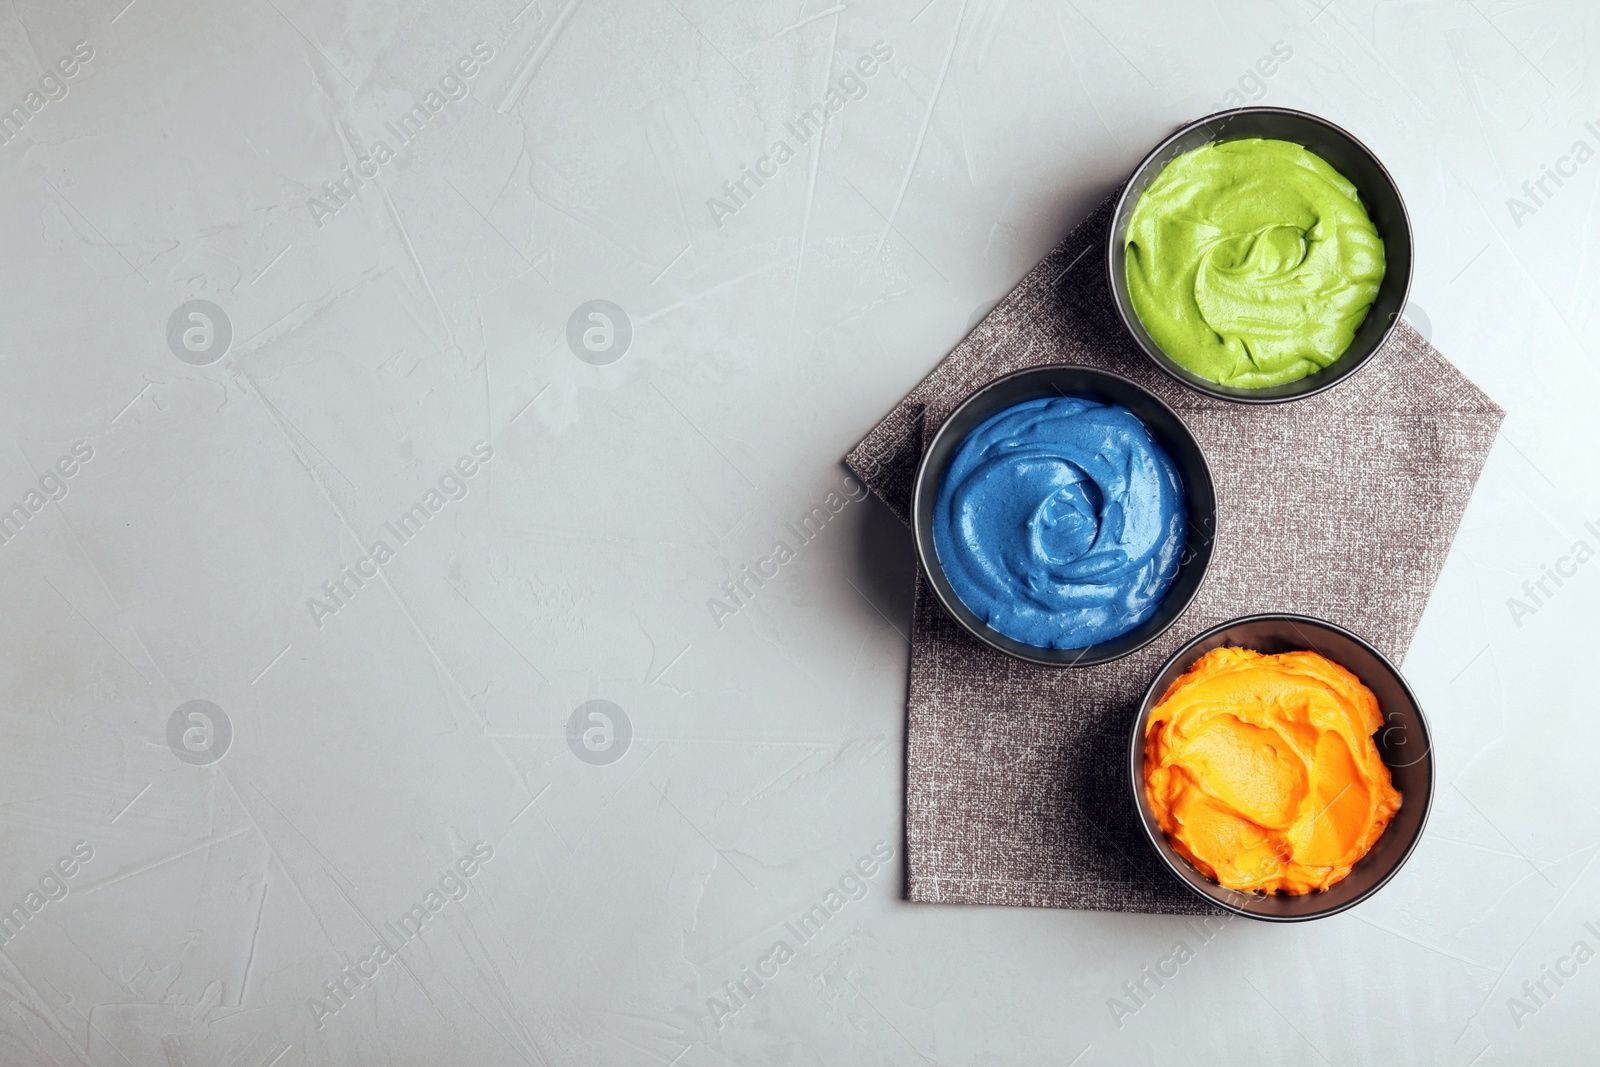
1060	522
1252	262
1263	773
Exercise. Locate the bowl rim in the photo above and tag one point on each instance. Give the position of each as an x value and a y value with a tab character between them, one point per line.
922	521
1170	366
1141	804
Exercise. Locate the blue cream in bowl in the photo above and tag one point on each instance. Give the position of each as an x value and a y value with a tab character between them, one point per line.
1060	522
1064	515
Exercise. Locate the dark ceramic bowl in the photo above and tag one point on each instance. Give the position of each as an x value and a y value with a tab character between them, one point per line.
1059	380
1402	742
1379	195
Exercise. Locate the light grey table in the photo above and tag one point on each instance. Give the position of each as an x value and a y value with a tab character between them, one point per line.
399	503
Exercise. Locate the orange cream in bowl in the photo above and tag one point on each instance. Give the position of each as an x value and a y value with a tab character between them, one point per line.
1263	773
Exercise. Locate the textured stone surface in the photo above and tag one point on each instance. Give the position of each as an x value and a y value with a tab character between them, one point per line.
374	339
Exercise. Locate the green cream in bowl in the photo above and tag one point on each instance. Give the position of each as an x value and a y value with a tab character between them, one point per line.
1252	262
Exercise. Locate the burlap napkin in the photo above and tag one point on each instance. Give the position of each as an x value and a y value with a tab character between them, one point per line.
1342	506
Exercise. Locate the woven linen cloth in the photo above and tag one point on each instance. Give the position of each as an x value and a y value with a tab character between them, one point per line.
1341	506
